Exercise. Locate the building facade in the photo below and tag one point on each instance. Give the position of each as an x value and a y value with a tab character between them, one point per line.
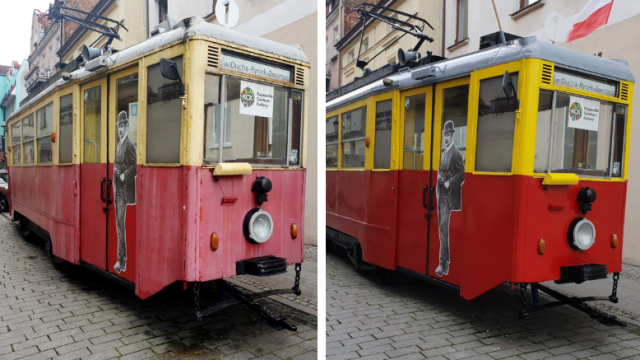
296	24
467	20
335	27
12	92
380	43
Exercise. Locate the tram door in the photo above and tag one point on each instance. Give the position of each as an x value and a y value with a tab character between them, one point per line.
123	171
413	178
93	173
449	149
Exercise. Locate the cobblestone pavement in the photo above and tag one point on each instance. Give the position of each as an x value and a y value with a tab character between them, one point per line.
410	319
49	312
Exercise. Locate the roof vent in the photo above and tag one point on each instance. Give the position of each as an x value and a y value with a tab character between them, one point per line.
299	76
547	74
213	57
624	91
494	39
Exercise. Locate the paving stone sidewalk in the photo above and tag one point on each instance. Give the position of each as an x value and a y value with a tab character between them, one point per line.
409	319
49	312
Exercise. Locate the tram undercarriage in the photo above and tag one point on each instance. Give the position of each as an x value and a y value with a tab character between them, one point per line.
569	274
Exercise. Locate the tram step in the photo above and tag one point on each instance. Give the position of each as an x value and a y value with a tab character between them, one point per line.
581	273
262	266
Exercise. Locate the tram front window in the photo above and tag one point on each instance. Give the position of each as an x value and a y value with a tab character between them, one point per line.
256	127
587	135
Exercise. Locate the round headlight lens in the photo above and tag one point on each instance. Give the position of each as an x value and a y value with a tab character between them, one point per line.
259	226
584	234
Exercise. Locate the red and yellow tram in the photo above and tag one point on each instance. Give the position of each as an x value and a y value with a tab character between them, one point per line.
181	158
508	164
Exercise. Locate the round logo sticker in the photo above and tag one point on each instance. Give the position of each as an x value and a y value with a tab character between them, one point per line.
575	111
247	97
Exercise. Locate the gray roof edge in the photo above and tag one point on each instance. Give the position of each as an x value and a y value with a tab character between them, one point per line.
523	48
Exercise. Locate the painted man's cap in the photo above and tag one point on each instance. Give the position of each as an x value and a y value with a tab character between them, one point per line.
448	126
122	118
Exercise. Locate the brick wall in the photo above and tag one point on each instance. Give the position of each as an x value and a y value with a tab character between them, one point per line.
84	5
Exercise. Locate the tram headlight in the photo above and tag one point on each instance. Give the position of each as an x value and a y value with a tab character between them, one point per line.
258	226
582	234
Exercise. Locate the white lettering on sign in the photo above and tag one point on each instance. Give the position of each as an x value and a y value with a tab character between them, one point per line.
256	99
583	113
580	83
254	68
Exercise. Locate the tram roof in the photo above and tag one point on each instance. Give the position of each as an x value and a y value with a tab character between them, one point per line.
198	27
522	48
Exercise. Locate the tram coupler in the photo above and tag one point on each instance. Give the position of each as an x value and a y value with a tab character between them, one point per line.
276	321
578	303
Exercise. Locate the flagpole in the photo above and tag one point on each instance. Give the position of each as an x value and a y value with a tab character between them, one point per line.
601	37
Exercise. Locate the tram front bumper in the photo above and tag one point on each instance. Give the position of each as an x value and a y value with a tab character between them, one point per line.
581	273
262	266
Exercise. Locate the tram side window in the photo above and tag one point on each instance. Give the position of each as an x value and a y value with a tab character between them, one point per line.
44	127
578	147
496	126
455	108
16	148
92	125
27	139
382	150
212	117
543	131
414	112
164	116
332	141
354	132
619	130
296	128
65	150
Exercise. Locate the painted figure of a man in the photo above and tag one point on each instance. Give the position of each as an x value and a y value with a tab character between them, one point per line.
448	191
124	186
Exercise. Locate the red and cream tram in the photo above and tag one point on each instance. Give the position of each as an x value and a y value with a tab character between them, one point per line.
181	158
508	164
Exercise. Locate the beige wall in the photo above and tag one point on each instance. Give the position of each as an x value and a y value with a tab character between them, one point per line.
379	36
304	32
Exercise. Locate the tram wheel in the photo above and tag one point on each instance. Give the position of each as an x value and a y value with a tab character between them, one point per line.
48	247
355	254
23	225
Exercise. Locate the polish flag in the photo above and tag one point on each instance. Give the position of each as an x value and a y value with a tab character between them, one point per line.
594	15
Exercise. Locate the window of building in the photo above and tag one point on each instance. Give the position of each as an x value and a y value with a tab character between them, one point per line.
496	126
382	149
50	57
462	20
16	140
596	150
336	38
162	10
365	44
354	132
351	55
331	127
413	138
164	116
44	127
27	139
390	28
65	138
92	125
525	3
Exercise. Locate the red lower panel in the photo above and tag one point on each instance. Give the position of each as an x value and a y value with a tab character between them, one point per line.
93	220
47	195
363	205
541	223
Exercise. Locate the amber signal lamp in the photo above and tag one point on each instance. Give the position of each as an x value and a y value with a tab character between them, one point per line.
53	136
214	241
294	231
542	246
9	147
614	241
367	141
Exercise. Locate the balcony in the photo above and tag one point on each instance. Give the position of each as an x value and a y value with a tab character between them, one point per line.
38	75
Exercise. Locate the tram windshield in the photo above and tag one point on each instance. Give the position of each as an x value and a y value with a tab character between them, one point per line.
580	135
269	134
